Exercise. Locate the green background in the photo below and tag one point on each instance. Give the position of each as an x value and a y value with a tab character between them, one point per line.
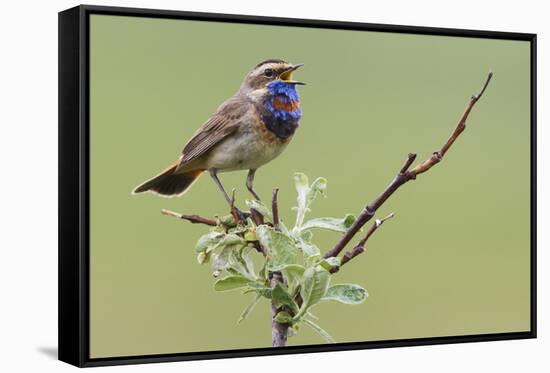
454	261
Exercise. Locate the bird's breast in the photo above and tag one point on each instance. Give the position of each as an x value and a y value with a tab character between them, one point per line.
252	146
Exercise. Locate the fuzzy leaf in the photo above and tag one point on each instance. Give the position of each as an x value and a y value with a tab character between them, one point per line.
318	187
232	239
259	288
283	317
327	337
208	240
260	207
230	283
346	293
308	248
281	297
313	288
202	257
334	224
330	263
305	235
220	261
238	264
250	236
282	249
245	255
306	195
302	188
293	274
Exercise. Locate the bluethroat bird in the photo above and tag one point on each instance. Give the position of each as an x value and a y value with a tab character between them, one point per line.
247	131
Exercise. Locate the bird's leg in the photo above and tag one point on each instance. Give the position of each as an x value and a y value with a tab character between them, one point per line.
214	175
250	184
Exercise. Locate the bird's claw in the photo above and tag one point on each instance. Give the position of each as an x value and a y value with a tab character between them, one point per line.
240	216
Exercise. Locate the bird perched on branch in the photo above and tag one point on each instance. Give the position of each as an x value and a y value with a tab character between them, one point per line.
247	131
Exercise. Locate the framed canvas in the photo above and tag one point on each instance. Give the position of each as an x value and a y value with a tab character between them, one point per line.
335	186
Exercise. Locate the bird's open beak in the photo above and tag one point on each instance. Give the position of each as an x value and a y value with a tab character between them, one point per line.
286	76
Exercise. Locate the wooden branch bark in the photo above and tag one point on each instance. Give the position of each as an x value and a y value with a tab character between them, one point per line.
195	219
275	208
279	331
405	175
360	247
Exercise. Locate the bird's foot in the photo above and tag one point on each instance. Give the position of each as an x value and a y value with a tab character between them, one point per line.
240	216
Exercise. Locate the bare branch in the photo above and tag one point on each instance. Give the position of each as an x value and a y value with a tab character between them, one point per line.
275	208
195	219
360	247
257	217
405	175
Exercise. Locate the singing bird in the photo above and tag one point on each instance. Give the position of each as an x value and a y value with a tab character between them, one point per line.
248	130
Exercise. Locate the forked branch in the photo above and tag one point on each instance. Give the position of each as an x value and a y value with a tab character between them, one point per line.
360	247
405	175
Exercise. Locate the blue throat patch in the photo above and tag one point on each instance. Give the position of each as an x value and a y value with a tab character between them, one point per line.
283	102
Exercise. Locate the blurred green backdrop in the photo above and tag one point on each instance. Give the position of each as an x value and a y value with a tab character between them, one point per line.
454	261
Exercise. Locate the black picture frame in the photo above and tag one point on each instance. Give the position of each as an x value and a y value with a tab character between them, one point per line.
74	183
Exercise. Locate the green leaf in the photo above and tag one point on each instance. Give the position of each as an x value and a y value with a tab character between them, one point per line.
305	235
282	248
306	195
238	264
207	240
220	261
230	283
250	236
249	308
227	220
318	187
260	207
245	255
283	317
202	257
334	224
302	188
313	287
346	293
281	298
232	239
308	248
259	288
330	263
293	274
313	260
327	337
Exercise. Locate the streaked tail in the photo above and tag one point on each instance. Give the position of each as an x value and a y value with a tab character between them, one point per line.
168	183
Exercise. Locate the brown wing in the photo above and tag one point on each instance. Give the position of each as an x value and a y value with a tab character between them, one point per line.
224	122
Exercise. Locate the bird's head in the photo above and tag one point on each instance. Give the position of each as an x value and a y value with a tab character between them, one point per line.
269	71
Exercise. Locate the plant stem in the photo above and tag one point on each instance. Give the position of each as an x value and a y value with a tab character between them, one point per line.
279	332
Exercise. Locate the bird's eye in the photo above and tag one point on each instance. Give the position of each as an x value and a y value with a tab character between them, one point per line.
268	73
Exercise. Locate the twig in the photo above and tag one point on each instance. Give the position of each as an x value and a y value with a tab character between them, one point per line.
406	175
360	247
275	208
195	219
257	217
234	211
